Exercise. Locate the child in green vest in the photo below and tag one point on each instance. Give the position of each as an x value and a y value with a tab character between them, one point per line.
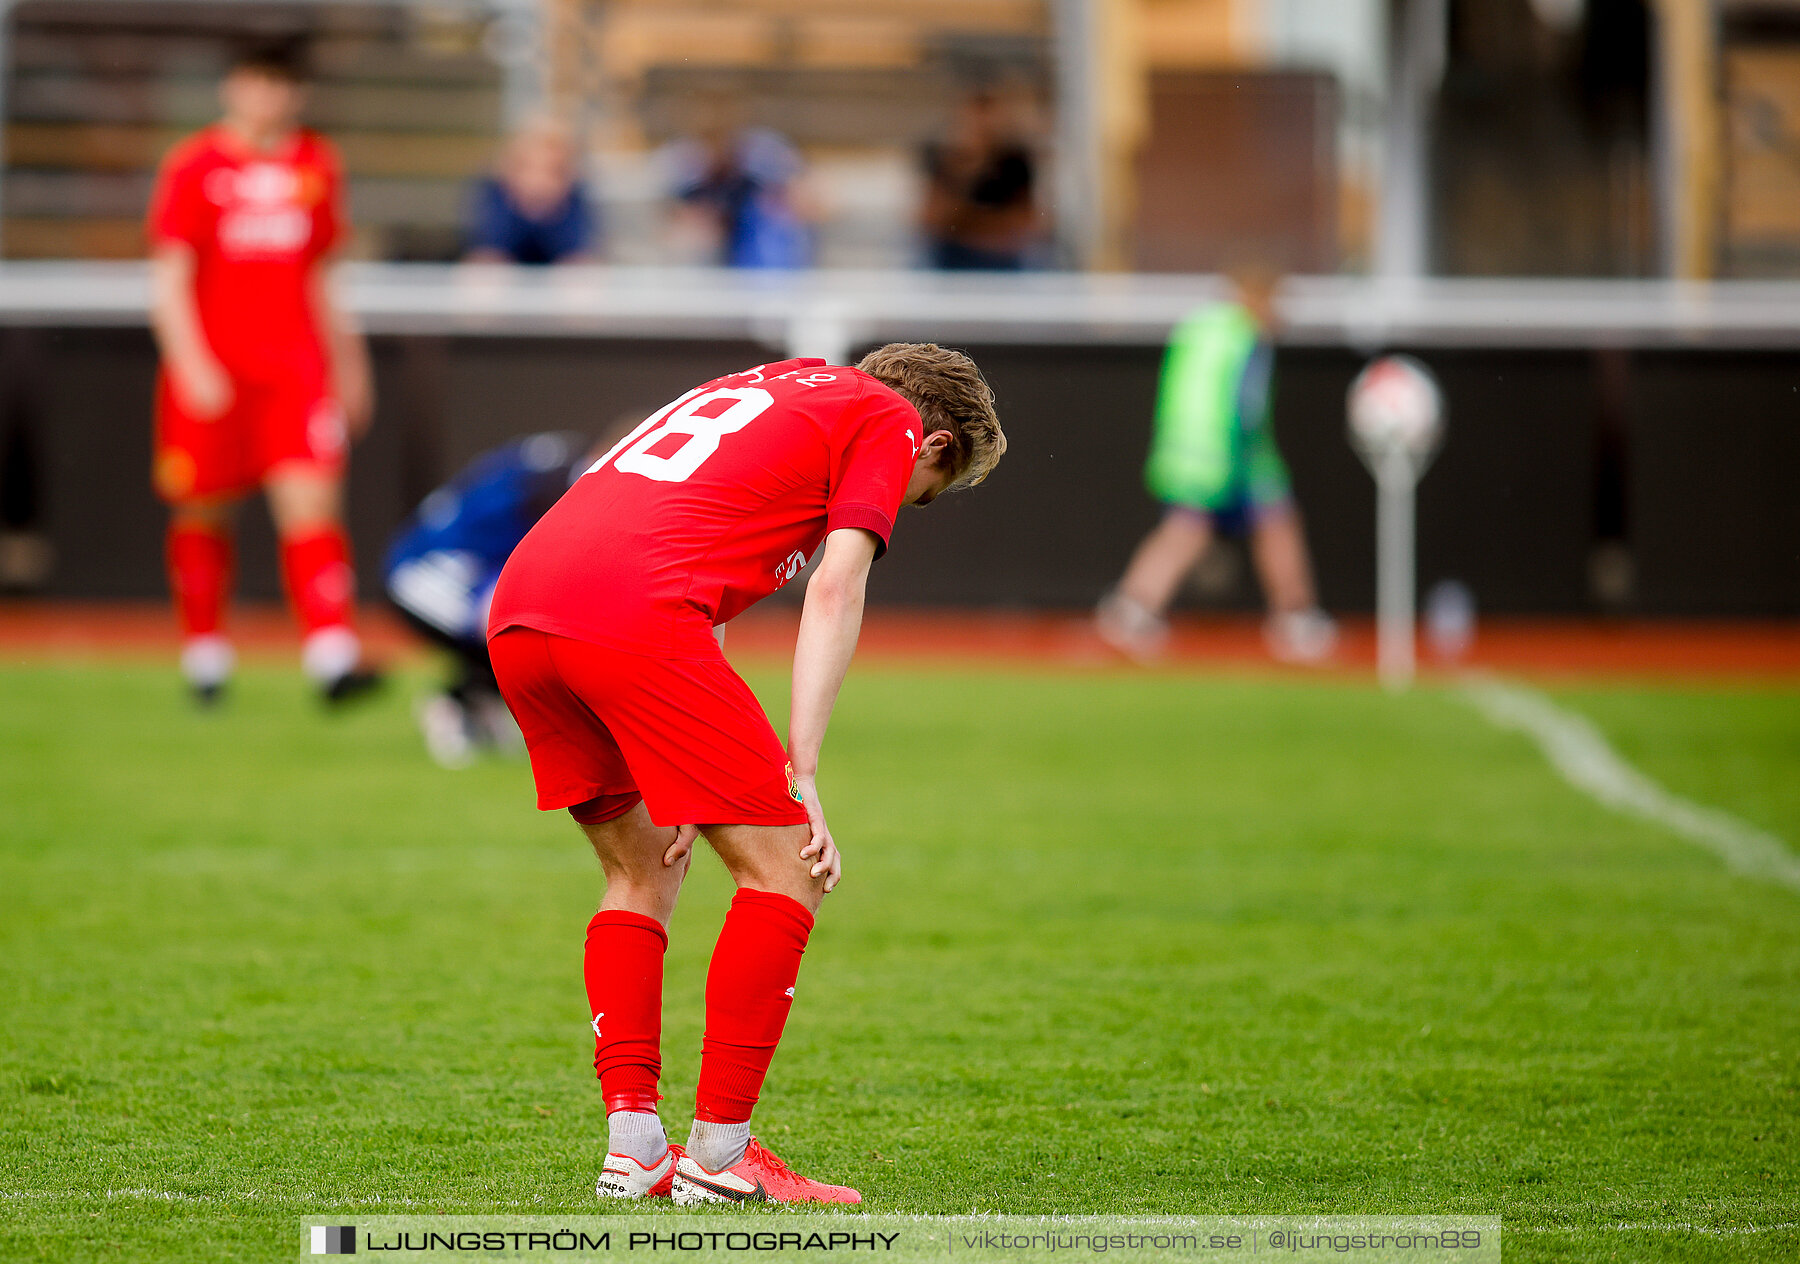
1214	466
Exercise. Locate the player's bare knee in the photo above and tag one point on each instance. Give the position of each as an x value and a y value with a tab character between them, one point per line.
802	888
631	849
786	873
767	858
304	500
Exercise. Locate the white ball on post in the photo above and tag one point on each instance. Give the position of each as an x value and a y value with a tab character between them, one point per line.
1396	416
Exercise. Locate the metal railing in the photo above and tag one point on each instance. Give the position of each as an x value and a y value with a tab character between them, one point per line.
828	313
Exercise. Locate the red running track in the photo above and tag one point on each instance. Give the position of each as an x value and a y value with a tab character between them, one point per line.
1747	650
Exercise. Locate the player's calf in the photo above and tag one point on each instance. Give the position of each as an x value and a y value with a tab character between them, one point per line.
199	555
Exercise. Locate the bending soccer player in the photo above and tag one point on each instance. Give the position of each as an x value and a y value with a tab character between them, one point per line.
607	633
1214	467
441	568
264	381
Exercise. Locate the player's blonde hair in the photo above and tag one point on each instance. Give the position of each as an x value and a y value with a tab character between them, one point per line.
950	394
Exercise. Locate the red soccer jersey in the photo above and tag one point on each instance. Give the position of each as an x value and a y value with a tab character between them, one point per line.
258	224
709	506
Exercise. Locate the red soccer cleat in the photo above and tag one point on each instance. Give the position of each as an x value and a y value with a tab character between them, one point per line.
759	1177
624	1177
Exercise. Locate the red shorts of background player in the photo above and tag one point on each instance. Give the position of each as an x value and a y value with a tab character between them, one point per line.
266	425
606	727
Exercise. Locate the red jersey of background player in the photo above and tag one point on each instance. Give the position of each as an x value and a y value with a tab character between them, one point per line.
711	505
258	223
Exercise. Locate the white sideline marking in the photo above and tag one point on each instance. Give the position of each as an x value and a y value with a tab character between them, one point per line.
1578	750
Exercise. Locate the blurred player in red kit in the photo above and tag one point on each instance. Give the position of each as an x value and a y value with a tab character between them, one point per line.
264	381
607	631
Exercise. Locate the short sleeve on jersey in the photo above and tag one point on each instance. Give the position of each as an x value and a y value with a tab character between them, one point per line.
179	210
872	453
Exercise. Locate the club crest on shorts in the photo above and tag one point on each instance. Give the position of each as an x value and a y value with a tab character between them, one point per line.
175	472
793	785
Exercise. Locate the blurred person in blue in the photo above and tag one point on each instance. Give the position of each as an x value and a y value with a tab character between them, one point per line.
980	211
1215	469
440	572
742	189
532	208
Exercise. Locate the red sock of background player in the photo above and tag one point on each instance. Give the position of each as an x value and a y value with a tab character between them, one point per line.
199	560
624	969
749	991
315	564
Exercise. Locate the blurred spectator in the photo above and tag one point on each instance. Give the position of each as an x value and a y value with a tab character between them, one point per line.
1215	468
532	208
980	211
740	191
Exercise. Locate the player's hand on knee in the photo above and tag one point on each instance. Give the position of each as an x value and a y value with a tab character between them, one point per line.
829	864
820	849
356	396
681	851
205	388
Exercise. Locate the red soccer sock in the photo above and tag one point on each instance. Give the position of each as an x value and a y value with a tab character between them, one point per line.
624	969
749	990
199	561
315	564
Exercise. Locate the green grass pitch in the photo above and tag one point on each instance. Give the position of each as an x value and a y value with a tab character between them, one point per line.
1179	943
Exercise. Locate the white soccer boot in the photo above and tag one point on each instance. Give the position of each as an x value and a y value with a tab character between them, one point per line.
624	1177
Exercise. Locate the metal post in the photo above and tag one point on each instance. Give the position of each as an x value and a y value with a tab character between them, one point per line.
6	21
1684	80
517	41
1396	483
1403	225
820	331
1080	164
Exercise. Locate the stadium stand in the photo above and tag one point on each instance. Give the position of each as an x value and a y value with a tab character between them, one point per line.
416	97
98	91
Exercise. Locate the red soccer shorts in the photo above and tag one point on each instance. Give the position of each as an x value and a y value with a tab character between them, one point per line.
685	734
267	425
